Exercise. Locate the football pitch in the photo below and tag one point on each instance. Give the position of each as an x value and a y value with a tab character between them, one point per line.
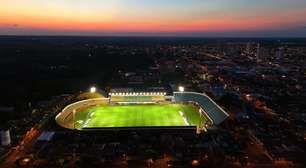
154	115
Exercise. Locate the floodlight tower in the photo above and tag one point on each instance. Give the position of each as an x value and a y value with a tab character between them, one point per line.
93	89
181	88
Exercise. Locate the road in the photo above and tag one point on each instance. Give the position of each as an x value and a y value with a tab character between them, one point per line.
21	150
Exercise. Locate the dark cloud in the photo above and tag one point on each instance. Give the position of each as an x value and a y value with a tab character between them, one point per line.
15	29
9	25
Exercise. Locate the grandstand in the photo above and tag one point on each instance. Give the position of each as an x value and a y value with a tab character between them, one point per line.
212	109
130	95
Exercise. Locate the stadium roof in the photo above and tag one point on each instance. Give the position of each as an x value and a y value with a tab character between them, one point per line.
46	136
138	89
212	109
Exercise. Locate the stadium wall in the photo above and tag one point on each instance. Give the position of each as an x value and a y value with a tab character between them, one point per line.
65	117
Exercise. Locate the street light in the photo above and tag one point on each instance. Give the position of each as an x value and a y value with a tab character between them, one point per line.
195	163
93	89
181	88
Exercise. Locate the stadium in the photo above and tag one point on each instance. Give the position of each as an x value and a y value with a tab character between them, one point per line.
127	108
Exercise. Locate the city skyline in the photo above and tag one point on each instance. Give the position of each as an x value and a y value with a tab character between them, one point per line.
221	18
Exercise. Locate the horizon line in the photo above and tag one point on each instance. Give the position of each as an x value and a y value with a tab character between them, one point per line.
149	36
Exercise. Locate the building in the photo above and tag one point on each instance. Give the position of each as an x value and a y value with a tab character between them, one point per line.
5	138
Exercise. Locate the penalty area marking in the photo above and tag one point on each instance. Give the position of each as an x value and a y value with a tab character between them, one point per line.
88	118
184	118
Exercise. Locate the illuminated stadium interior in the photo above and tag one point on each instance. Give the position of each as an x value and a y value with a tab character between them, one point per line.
128	109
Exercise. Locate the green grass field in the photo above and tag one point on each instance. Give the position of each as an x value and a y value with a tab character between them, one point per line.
138	116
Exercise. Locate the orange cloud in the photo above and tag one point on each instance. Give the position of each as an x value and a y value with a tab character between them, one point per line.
96	22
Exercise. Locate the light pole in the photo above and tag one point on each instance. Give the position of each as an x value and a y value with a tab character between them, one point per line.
93	89
181	88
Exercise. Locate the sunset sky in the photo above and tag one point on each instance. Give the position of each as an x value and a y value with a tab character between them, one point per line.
226	18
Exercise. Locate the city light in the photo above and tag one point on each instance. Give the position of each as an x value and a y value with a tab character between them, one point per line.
181	88
93	89
195	163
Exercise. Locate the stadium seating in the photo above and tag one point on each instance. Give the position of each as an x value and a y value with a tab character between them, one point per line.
214	112
153	98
